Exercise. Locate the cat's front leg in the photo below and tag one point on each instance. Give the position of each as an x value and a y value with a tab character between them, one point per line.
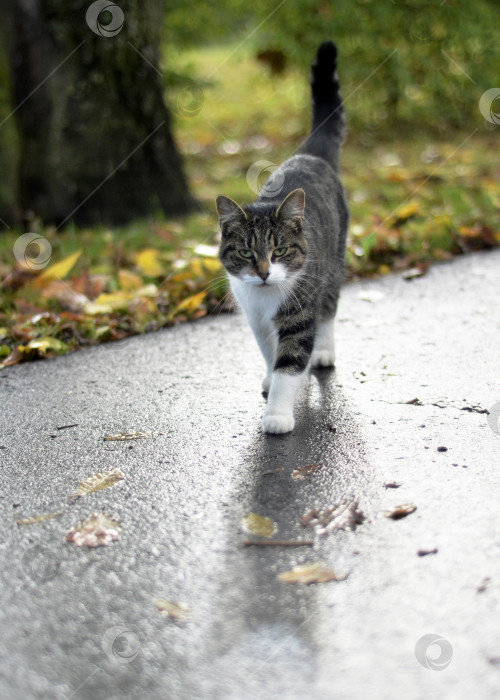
266	337
278	417
296	340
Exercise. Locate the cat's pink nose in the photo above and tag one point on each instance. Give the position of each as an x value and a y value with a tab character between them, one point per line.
263	275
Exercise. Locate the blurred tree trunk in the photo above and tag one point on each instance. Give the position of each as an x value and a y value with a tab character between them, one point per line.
95	134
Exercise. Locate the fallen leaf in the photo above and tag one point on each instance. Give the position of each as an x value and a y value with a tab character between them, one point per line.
401	511
15	356
258	525
343	516
99	530
414	402
172	610
99	482
190	304
58	271
302	472
128	436
129	281
148	262
43	345
391	485
310	573
405	212
37	518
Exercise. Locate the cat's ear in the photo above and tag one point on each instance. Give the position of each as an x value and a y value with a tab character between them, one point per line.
228	210
292	207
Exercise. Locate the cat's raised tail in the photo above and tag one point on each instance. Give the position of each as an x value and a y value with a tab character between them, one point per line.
328	122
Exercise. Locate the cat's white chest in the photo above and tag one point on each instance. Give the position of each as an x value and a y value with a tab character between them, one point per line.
257	301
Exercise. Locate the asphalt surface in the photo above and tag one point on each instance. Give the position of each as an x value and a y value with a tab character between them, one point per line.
82	623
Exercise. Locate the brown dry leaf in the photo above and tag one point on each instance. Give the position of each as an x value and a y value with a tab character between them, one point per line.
99	530
173	610
310	573
37	518
98	482
343	516
401	511
15	356
302	472
128	436
258	525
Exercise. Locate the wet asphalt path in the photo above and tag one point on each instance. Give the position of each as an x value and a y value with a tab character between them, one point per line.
79	623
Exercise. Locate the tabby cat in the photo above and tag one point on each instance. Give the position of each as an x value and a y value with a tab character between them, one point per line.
285	253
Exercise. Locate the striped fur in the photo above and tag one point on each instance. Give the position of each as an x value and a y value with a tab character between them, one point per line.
285	253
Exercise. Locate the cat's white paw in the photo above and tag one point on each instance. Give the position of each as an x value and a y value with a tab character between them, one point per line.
278	423
266	383
323	358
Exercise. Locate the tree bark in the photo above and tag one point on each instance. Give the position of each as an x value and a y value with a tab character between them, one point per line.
95	134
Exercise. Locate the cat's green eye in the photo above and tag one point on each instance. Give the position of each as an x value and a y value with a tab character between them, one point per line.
278	252
245	253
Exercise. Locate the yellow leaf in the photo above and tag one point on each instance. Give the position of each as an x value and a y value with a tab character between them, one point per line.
173	610
58	270
258	525
190	304
310	573
148	262
384	269
46	343
99	482
93	309
129	280
406	211
116	300
37	518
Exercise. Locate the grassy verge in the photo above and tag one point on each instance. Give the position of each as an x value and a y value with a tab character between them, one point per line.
412	202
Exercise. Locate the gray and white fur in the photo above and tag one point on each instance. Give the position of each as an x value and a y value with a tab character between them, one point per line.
285	253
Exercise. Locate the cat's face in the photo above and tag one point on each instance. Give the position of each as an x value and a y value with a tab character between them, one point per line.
263	250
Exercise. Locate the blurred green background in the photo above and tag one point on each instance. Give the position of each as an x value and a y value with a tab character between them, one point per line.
420	163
